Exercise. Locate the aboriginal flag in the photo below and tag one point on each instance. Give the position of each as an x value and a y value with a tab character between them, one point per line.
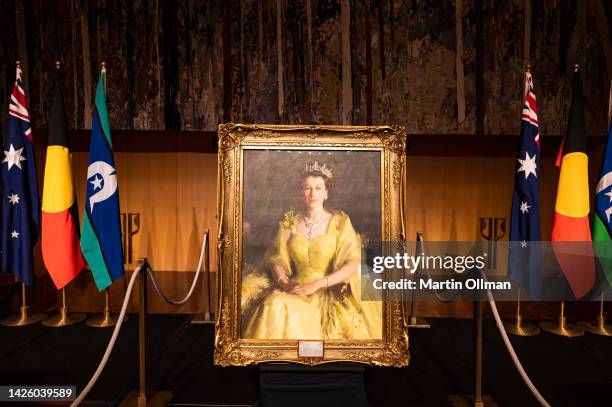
60	216
571	218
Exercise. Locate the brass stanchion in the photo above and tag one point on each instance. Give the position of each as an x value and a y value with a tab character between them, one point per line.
414	321
520	328
142	396
600	327
23	318
478	399
63	318
562	328
206	318
106	319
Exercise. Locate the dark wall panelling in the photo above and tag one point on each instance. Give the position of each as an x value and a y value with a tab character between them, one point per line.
189	65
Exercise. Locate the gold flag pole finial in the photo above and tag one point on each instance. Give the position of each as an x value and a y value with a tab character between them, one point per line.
18	63
58	64
528	68
103	66
576	67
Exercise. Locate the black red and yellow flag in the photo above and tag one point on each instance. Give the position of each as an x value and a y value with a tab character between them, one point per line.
571	218
60	217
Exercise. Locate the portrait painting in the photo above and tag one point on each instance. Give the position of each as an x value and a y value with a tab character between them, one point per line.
298	205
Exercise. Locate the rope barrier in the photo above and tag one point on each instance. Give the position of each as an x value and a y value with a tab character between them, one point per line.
511	351
128	293
111	343
193	284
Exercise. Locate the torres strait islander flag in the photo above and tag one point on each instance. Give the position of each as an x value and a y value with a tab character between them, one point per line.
101	237
571	217
60	215
20	220
602	225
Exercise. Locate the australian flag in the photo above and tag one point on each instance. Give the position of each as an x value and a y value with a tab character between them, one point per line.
524	257
20	204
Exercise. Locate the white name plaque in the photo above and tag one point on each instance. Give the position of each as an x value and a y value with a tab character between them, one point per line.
310	349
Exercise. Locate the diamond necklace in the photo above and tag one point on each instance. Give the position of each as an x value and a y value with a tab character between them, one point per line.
311	224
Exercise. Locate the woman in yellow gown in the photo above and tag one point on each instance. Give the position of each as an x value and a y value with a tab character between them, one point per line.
309	284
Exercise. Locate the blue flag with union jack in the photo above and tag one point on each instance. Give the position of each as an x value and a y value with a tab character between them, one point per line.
524	258
20	203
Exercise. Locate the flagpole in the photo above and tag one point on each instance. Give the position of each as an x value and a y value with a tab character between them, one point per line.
23	318
518	327
600	327
105	319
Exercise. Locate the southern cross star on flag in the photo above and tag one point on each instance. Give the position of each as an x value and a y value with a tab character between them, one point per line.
20	203
524	258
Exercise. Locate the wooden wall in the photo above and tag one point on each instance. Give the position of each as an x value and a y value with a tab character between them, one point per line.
175	193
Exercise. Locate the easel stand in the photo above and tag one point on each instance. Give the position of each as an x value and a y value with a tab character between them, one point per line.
302	386
23	318
477	399
143	397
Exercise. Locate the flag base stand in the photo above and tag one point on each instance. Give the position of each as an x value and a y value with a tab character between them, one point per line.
104	320
470	401
202	319
107	319
562	328
23	318
599	328
152	399
63	319
418	323
520	328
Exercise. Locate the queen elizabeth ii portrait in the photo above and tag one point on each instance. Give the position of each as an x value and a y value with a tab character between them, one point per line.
308	213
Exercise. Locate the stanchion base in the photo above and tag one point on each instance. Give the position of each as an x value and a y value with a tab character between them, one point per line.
418	322
595	328
522	329
104	320
468	401
566	330
154	399
202	319
20	320
58	321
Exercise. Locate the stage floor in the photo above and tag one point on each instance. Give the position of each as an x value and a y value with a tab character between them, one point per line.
569	372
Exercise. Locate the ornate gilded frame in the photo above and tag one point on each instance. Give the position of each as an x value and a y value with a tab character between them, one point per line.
230	349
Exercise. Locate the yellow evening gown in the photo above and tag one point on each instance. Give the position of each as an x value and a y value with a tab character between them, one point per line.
330	313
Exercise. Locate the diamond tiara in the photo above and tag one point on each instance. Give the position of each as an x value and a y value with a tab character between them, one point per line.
320	168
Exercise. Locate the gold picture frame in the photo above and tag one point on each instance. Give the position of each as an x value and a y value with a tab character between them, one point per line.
237	141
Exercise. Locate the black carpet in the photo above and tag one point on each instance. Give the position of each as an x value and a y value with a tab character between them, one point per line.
569	372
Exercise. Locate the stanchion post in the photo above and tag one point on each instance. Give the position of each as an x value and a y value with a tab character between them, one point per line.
143	397
206	318
142	336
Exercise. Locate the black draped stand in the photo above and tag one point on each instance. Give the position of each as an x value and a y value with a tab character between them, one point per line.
296	386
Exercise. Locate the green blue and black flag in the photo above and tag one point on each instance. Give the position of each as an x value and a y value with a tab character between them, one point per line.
101	236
